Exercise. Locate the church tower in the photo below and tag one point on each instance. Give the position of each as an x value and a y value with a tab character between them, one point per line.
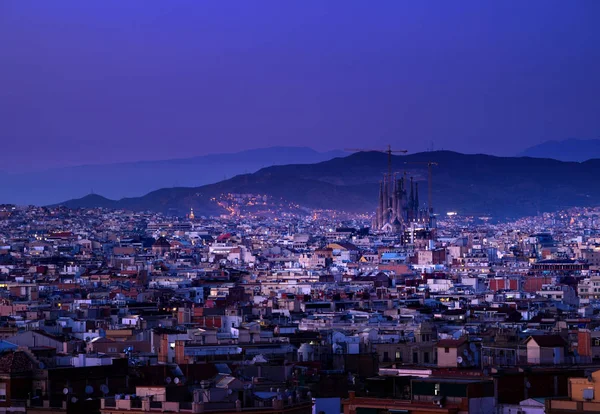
398	205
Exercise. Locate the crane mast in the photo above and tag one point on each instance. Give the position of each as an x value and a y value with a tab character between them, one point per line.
389	151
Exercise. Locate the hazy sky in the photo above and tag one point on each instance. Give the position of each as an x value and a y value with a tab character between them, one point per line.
104	81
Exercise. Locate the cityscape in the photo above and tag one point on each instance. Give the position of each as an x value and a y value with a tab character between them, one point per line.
300	208
117	311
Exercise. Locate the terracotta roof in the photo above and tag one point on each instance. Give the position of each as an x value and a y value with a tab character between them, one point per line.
547	341
345	245
451	343
14	362
223	237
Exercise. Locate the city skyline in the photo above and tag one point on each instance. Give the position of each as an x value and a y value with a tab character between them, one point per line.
276	207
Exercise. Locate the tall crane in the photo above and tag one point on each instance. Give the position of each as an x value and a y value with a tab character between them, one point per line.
389	151
429	183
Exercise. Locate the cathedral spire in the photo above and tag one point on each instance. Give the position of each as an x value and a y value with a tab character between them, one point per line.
394	194
416	196
386	199
379	213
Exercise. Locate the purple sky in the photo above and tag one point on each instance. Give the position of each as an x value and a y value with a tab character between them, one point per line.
105	81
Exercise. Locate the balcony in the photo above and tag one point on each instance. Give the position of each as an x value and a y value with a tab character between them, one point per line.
145	405
566	406
50	404
137	404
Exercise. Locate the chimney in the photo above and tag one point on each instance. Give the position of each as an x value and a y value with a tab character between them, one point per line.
82	360
584	343
180	352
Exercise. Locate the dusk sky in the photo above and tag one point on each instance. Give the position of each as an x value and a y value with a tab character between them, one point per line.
106	81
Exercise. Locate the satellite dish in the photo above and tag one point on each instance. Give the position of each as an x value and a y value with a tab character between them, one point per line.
65	390
127	397
104	389
466	352
117	396
41	365
176	380
459	360
528	384
73	400
472	347
89	389
168	380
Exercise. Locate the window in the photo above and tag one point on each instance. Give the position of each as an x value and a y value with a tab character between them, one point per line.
386	357
426	357
112	349
398	355
415	357
446	350
2	392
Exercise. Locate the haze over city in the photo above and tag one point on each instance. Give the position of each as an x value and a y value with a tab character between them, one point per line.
102	82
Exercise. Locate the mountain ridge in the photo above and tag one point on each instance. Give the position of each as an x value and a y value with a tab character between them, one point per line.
478	184
572	149
119	180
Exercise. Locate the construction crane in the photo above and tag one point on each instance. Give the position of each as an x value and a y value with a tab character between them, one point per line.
429	183
389	151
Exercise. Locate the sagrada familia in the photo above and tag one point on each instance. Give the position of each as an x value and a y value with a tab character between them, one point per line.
398	205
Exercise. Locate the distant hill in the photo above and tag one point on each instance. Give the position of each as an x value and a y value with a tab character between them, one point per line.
92	200
138	178
577	150
469	184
